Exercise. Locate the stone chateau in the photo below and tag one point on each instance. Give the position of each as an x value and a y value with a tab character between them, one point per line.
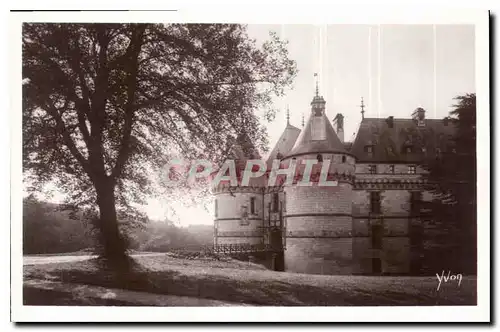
364	225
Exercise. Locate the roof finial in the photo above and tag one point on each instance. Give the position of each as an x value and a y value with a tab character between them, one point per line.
303	124
362	108
317	87
287	115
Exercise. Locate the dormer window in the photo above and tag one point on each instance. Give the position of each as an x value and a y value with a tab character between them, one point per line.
317	111
408	149
369	149
390	121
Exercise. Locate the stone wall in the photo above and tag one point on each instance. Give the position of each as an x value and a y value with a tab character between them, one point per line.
395	252
230	227
229	205
319	229
328	229
319	255
239	240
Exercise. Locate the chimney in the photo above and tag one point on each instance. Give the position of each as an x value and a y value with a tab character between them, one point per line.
418	114
445	121
419	117
390	121
339	119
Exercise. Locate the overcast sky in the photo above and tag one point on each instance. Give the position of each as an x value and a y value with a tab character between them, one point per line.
396	68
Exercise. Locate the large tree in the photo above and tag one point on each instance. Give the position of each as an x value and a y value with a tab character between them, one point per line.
452	177
104	105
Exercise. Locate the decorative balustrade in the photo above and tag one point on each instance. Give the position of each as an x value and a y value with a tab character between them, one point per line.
227	249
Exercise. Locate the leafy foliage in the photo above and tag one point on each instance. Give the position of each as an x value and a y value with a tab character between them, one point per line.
49	229
452	176
165	236
53	228
107	105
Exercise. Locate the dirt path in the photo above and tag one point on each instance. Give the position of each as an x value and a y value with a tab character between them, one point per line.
65	258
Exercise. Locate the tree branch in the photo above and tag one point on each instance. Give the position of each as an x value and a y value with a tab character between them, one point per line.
133	49
68	141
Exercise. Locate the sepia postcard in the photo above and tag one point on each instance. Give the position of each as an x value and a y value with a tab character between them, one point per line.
196	165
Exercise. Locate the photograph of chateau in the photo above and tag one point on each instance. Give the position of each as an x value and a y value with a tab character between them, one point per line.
337	168
370	223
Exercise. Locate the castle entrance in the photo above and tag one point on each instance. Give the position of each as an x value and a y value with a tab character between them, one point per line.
275	241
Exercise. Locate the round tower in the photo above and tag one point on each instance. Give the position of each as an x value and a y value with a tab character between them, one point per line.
318	218
238	210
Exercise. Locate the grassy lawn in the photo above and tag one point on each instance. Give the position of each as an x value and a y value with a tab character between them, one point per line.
241	282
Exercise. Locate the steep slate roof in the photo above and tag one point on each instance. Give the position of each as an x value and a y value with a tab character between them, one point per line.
284	144
318	136
389	144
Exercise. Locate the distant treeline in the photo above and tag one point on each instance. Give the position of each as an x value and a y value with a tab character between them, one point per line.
52	228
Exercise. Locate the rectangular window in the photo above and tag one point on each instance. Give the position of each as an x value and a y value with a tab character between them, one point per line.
369	149
276	202
377	235
372	169
375	202
415	199
244	216
216	208
252	205
391	169
412	169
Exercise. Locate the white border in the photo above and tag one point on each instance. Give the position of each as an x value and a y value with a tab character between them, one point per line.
261	13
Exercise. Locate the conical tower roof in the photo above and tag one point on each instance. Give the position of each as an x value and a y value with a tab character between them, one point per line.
318	135
285	143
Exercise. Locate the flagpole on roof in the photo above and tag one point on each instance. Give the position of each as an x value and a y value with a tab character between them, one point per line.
317	87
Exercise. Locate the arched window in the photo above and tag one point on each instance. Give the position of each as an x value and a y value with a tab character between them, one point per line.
319	157
344	159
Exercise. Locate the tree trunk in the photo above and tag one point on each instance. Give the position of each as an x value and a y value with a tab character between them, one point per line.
111	240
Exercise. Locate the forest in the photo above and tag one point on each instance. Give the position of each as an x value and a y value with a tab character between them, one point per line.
50	228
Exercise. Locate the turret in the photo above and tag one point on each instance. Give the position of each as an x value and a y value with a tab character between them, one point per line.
318	217
238	210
